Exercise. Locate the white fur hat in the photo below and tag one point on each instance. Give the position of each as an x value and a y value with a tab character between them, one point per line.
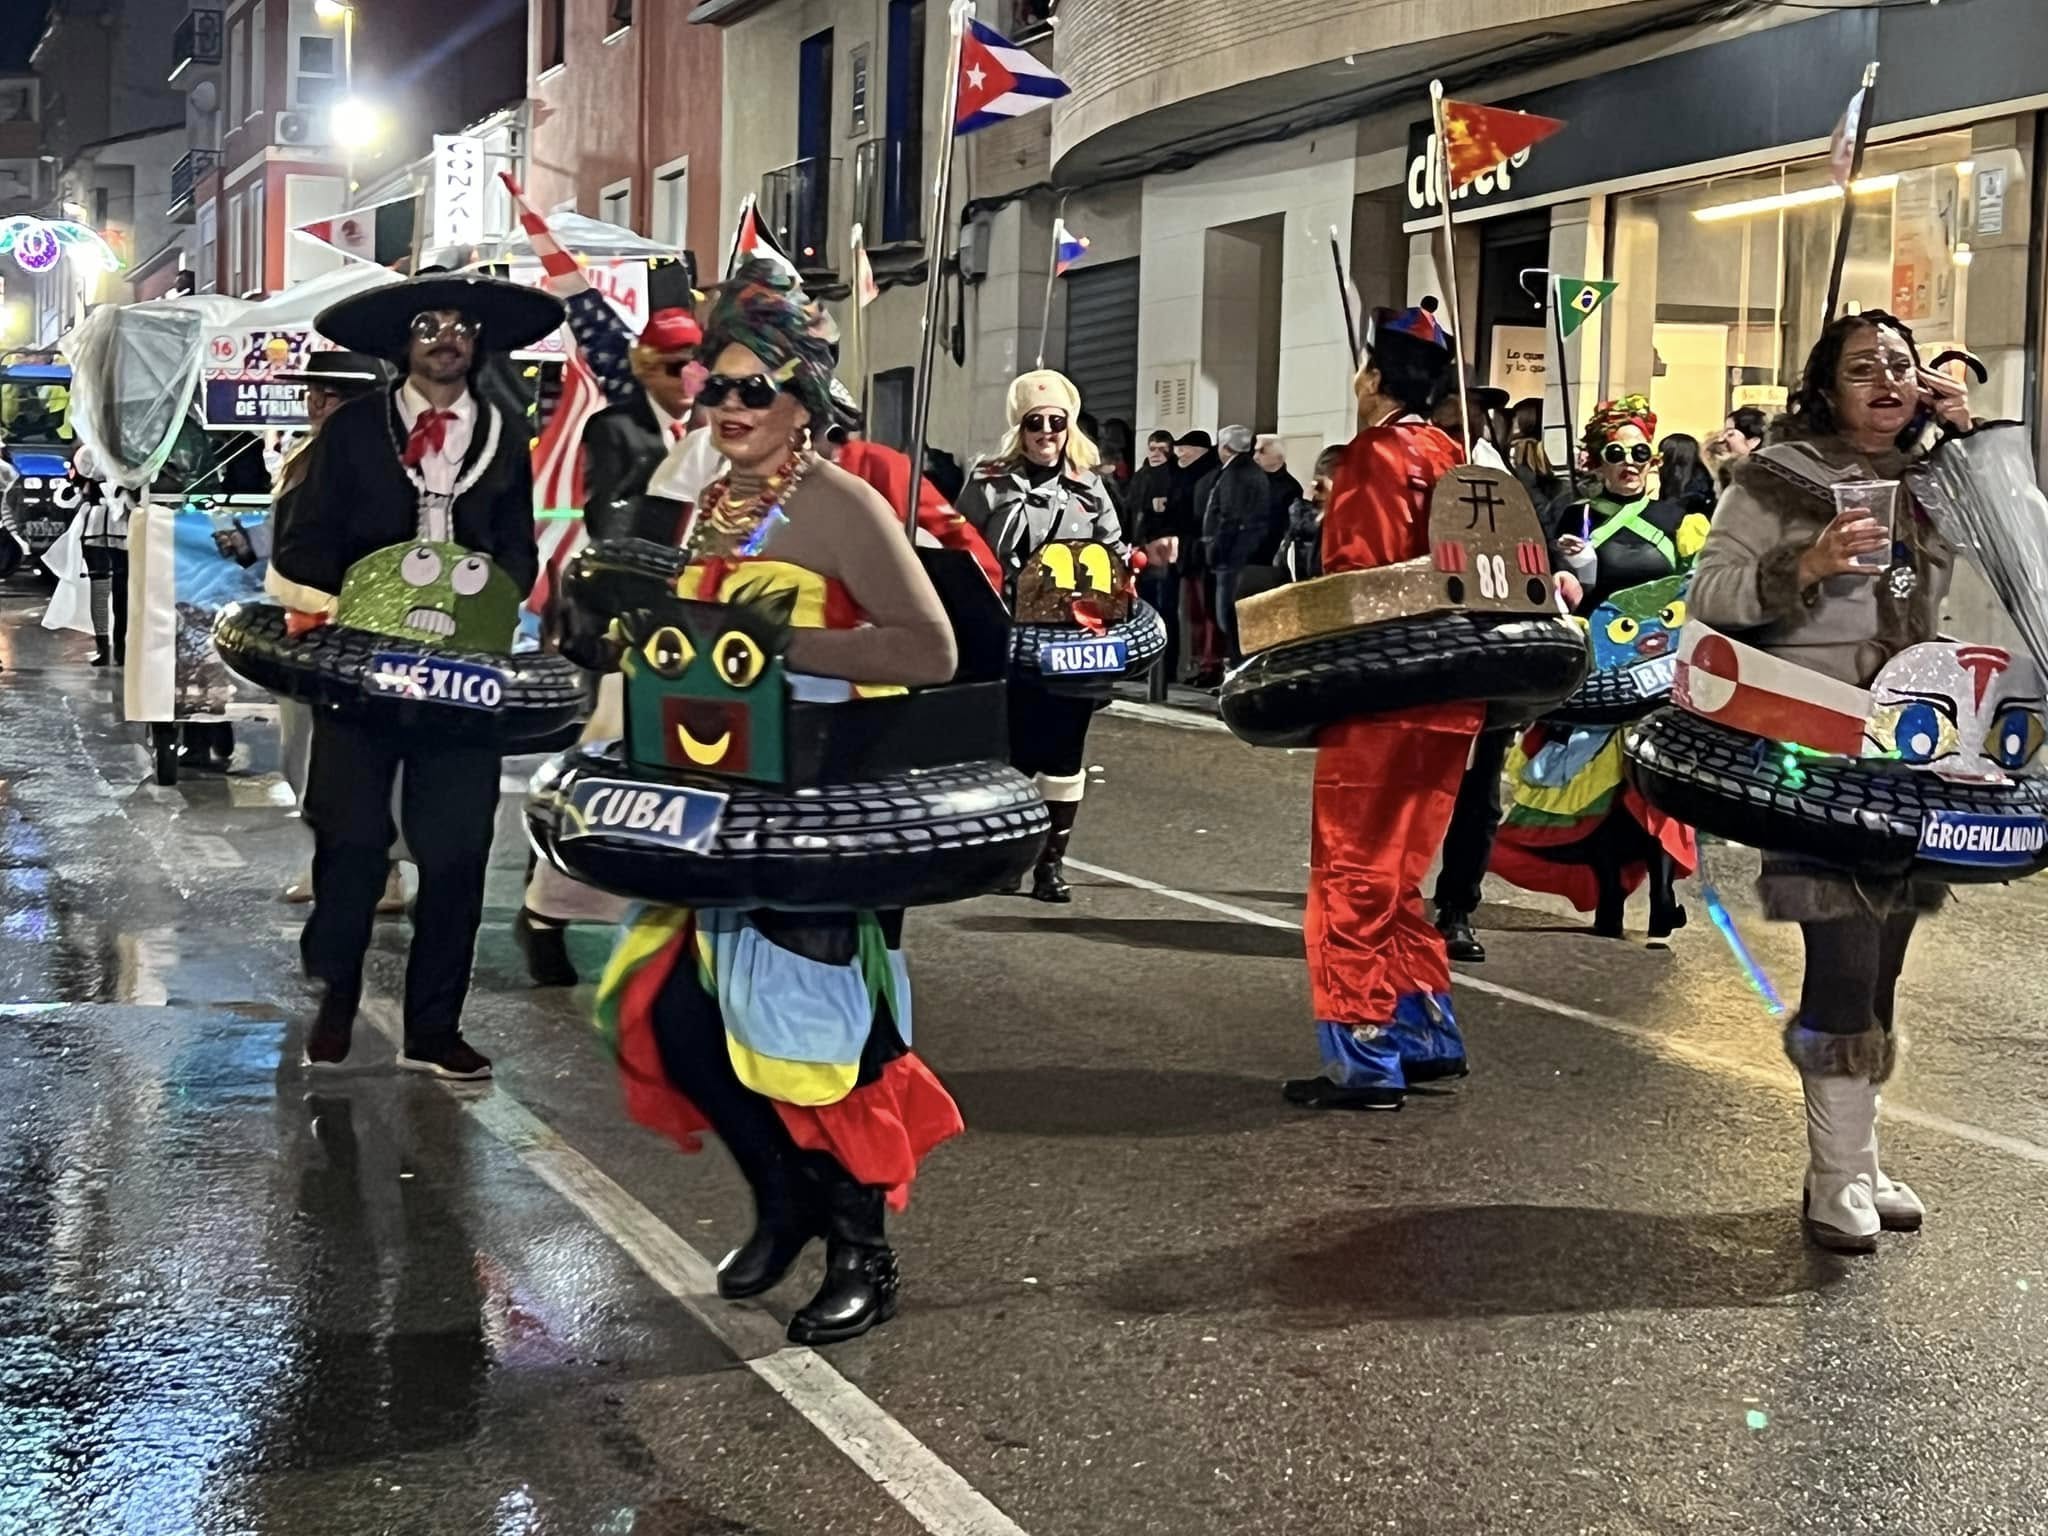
1043	389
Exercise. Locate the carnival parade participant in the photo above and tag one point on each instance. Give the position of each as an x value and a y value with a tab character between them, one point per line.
627	441
432	461
1576	828
1384	784
684	986
1788	574
1038	487
331	379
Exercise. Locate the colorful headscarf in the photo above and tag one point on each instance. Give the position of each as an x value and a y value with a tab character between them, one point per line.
760	307
1607	420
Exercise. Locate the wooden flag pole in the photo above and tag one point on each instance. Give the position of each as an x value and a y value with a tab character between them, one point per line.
935	267
1457	325
1344	297
1861	139
1564	382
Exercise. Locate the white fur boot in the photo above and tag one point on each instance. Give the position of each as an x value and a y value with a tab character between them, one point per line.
1897	1206
1841	1192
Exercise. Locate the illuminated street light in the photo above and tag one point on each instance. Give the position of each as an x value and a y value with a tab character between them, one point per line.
331	10
355	123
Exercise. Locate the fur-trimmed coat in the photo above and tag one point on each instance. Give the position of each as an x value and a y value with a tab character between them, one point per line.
1848	627
1747	580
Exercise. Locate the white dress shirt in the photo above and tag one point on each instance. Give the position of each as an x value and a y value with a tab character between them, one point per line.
440	470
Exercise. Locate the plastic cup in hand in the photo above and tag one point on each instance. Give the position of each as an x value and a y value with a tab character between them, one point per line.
1876	500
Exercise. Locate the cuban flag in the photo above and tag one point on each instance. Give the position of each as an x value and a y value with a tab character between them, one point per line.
999	81
1068	248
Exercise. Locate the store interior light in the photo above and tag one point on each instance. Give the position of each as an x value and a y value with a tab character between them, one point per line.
1965	167
1964	255
1805	197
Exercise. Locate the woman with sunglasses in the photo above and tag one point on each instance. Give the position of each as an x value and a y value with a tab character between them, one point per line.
1792	576
1038	487
1576	828
783	522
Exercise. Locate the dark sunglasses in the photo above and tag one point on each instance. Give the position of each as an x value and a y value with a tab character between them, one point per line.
757	391
1615	453
428	326
1036	422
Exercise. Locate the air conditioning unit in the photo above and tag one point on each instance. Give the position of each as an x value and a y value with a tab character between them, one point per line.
307	129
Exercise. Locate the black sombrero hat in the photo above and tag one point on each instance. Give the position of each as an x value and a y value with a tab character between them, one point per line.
347	373
379	322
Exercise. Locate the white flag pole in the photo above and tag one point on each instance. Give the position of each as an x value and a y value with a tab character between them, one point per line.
935	263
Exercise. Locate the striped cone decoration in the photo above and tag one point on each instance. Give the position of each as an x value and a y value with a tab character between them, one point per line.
563	275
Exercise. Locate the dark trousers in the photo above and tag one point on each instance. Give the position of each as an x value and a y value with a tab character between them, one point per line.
1048	731
1852	972
450	808
1160	586
1227	579
1468	846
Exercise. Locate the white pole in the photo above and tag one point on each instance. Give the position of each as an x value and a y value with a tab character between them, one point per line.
1443	192
935	262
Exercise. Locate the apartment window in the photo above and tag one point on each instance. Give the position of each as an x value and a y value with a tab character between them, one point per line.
615	204
317	79
672	203
259	56
622	15
236	233
258	277
208	269
238	73
899	169
554	33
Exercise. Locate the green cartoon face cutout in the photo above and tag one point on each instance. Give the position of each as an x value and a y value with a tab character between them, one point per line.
705	686
437	595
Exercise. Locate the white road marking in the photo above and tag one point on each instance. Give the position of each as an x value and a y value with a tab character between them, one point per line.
209	851
933	1494
1659	1043
1166	714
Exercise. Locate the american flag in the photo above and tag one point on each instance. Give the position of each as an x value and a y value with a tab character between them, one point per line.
558	478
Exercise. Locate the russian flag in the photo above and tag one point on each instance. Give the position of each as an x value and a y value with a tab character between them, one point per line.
1068	248
999	81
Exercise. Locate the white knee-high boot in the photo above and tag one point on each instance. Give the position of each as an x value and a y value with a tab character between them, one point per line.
1839	1075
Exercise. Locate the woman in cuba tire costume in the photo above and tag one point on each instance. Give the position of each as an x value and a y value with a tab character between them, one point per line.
1837	592
830	1128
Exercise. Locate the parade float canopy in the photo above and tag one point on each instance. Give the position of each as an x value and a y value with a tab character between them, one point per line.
136	367
591	239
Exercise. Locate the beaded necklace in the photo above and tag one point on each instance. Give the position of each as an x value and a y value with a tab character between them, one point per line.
745	525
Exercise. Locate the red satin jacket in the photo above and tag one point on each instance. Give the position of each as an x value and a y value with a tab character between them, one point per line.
1379	504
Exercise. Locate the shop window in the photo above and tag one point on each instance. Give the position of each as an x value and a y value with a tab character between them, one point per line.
554	33
1722	282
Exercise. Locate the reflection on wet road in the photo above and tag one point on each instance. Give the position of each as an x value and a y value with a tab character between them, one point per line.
1143	1295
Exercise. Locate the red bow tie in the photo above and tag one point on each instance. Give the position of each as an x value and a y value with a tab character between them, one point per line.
676	429
429	433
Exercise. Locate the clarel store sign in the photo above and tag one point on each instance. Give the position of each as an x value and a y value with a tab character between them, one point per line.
1746	102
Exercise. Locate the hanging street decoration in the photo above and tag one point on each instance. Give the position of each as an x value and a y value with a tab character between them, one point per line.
38	244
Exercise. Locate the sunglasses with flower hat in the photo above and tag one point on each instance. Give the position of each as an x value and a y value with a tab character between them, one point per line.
1040	421
756	392
1622	453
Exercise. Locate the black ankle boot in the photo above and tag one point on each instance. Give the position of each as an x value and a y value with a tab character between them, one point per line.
786	1217
546	949
1048	880
1459	939
100	654
860	1272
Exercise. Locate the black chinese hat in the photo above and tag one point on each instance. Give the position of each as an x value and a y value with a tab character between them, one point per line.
379	322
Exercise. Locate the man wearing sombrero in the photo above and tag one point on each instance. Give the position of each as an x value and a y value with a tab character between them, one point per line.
430	460
1385	784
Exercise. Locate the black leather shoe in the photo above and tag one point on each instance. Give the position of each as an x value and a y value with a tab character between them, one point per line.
546	948
1459	939
786	1218
1609	922
861	1279
333	1030
1049	883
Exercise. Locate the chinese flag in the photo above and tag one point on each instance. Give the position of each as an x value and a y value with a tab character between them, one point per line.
1476	138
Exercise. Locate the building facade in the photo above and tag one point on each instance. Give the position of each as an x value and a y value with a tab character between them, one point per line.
626	117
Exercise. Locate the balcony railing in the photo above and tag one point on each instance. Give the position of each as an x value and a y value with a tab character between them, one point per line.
186	176
890	203
797	202
195	47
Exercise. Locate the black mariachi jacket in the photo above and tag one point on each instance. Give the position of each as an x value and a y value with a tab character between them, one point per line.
356	499
623	446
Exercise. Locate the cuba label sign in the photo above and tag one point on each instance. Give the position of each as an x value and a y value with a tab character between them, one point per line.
1993	842
1083	658
666	815
435	680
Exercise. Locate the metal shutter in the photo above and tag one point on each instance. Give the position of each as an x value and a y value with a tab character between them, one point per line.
1102	340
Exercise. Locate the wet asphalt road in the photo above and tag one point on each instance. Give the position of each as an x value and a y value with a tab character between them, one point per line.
1142	1296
